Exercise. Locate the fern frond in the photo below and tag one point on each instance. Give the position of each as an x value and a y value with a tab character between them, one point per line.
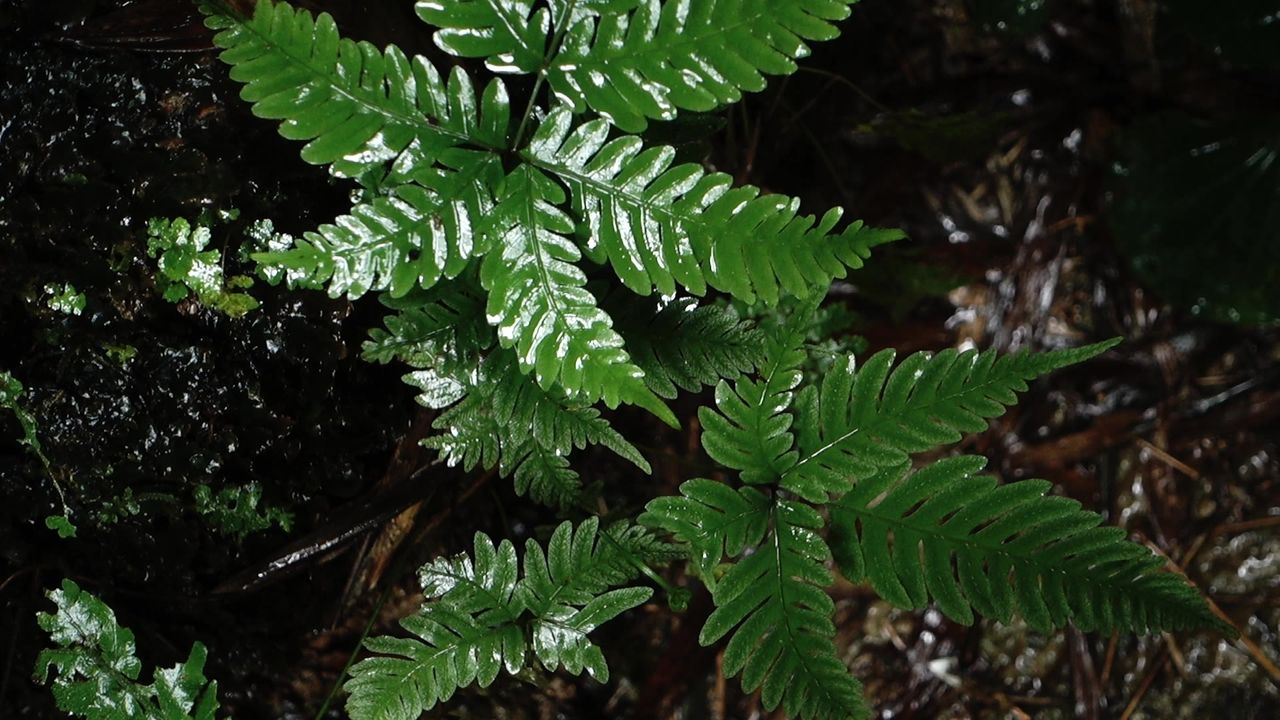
469	633
782	643
508	33
685	55
875	416
566	590
442	333
713	518
483	615
417	234
750	430
510	422
539	302
1013	548
681	345
660	225
358	107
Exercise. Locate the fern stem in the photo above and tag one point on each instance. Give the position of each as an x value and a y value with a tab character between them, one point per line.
677	598
557	37
351	658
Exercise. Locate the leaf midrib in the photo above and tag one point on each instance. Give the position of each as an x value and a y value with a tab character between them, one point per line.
881	419
419	123
792	632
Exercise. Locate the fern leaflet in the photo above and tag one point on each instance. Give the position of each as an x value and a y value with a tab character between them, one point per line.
357	107
415	235
713	518
681	346
869	418
633	65
508	33
659	225
483	616
508	421
783	638
1013	548
541	307
682	54
751	432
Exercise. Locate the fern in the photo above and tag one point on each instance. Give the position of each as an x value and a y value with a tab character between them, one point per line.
869	418
484	616
442	334
539	302
713	519
447	202
659	225
630	63
509	422
1012	547
488	241
751	432
97	669
783	641
683	346
414	236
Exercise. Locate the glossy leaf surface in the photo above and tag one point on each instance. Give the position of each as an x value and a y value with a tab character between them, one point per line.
750	429
484	615
540	305
713	518
959	538
357	107
875	415
685	54
508	421
97	670
772	606
660	225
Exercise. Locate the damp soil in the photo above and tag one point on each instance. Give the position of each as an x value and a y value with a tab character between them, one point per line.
993	145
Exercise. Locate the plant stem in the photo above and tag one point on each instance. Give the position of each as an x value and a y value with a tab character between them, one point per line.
557	37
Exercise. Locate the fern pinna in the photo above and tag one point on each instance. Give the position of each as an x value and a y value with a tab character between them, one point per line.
482	228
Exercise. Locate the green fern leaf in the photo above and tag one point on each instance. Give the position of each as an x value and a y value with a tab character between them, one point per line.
508	33
565	590
468	634
417	234
483	616
358	107
870	418
539	302
508	421
751	432
782	644
442	333
660	225
713	518
1013	549
680	54
681	346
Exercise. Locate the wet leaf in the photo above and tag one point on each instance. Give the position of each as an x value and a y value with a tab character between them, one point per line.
483	615
97	669
62	525
64	299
